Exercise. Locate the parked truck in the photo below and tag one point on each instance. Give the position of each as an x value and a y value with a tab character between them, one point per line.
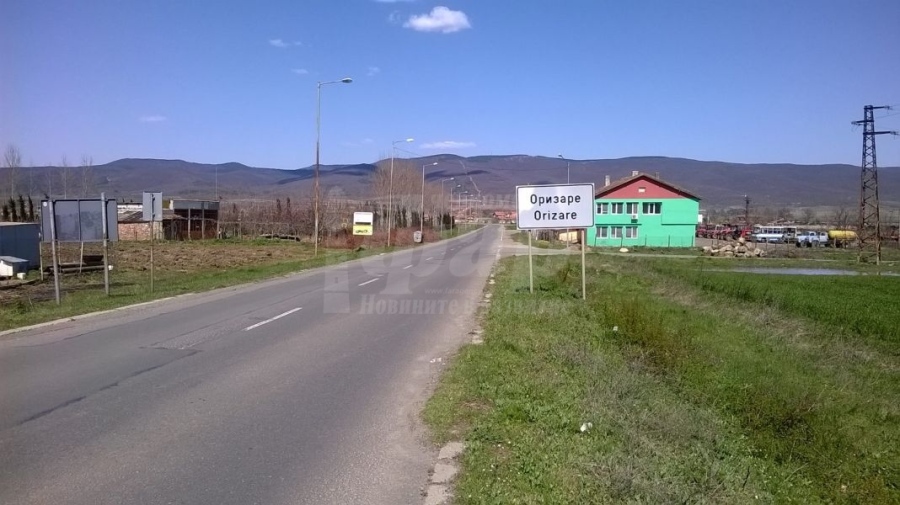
811	239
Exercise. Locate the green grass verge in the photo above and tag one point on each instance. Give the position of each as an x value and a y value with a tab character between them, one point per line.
694	394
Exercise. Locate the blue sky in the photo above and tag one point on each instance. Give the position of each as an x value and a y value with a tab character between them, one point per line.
219	81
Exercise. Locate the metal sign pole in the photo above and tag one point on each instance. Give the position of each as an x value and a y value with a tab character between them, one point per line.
105	223
53	250
583	276
530	266
152	235
41	256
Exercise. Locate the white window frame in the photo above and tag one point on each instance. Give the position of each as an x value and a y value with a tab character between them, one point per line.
615	232
652	208
603	208
631	208
631	232
616	208
602	232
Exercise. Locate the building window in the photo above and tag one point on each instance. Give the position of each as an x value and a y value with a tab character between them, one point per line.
602	208
631	232
631	208
616	208
616	231
642	189
652	208
602	232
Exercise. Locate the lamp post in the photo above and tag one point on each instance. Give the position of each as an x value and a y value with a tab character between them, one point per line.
452	220
345	80
391	188
422	210
463	209
567	182
442	201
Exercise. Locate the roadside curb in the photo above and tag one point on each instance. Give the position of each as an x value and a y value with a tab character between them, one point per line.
439	489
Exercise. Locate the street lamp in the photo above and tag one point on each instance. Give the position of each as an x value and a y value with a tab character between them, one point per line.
567	182
422	210
442	201
567	169
461	208
452	221
391	188
345	80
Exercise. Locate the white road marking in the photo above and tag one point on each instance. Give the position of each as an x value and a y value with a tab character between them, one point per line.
429	259
407	266
279	316
368	282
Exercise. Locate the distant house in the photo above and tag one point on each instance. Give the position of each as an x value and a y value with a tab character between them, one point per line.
181	220
644	210
505	216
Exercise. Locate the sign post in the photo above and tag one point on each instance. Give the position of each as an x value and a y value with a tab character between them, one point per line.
152	209
105	224
530	266
555	206
52	221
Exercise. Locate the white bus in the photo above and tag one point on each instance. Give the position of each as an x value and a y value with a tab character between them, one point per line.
773	233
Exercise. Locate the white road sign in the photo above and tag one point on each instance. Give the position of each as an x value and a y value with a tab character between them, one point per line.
555	206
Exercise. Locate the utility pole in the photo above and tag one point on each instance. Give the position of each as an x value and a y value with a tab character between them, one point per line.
869	228
746	210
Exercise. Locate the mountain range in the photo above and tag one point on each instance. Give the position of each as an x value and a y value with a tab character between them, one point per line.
718	184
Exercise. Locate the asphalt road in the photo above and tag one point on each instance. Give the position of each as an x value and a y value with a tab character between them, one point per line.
305	389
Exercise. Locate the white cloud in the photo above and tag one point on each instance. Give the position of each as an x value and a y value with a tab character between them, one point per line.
393	1
441	19
300	71
373	71
155	118
282	44
448	145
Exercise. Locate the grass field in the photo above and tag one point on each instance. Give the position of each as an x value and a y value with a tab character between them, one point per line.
710	387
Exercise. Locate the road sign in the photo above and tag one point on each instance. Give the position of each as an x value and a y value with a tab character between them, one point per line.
362	223
555	206
152	207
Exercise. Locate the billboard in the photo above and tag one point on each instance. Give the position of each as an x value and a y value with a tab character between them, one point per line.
362	223
555	206
79	220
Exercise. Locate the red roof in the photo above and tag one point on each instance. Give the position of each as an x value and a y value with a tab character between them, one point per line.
621	183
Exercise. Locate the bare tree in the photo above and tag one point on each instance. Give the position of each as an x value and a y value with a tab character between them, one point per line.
840	218
784	214
809	215
12	159
64	170
87	175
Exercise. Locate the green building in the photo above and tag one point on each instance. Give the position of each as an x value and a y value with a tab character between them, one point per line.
643	210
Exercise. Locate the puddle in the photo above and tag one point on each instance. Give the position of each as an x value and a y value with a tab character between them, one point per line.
805	271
